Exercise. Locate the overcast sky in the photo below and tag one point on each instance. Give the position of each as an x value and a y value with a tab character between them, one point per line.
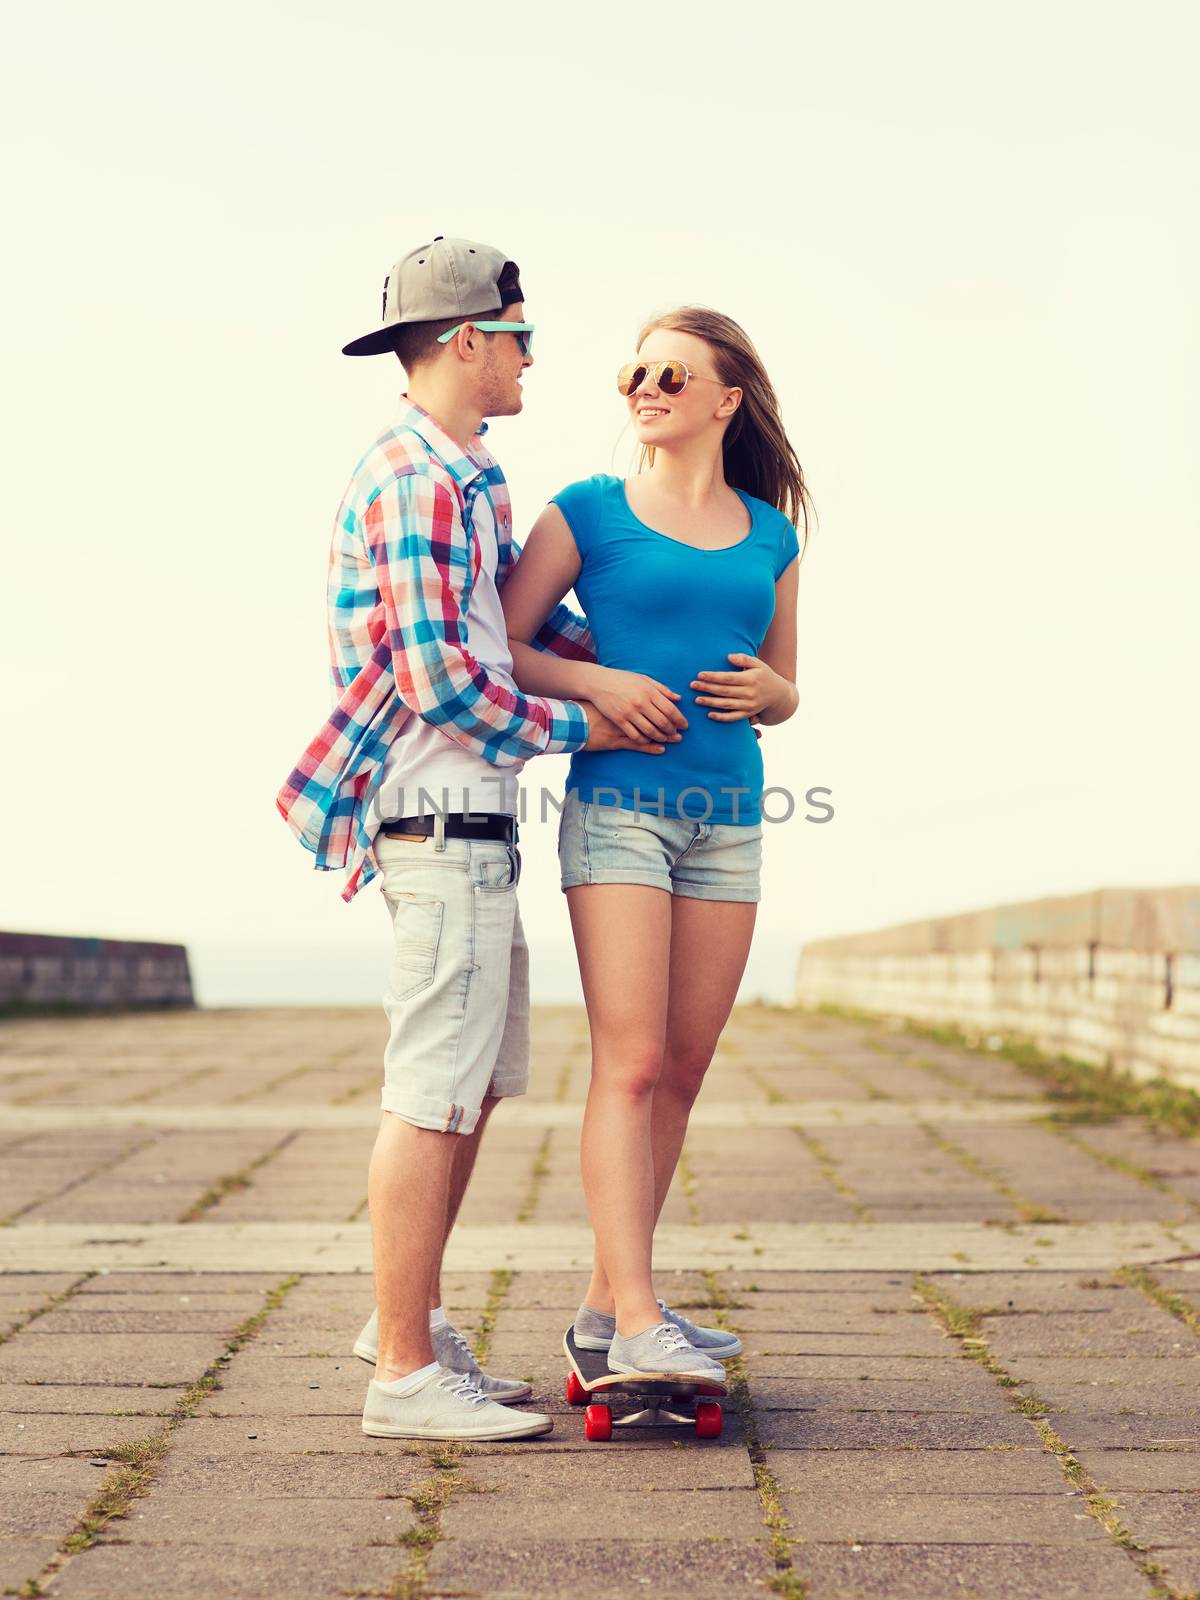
964	239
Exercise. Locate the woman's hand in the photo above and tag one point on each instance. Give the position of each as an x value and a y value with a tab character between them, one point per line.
753	690
641	707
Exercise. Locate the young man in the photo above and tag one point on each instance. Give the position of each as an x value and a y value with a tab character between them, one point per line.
414	778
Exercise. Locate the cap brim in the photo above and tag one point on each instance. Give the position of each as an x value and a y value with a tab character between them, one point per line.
378	343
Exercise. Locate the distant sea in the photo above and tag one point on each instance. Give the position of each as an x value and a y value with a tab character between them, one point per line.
346	973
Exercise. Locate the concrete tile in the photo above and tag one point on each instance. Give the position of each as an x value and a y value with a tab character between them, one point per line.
1151	1333
954	1393
1168	1470
601	1568
1183	1565
251	1286
550	1471
882	1430
950	1571
1109	1385
212	1571
180	1319
108	1358
1161	1518
388	1474
206	1437
23	1558
1039	1291
1142	1430
250	1520
947	1519
567	1512
86	1399
857	1475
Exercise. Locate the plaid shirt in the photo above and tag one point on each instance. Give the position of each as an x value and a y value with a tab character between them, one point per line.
401	567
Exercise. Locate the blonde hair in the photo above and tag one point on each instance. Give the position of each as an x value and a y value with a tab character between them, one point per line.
759	457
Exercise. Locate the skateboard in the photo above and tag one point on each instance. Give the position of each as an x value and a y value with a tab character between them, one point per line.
670	1401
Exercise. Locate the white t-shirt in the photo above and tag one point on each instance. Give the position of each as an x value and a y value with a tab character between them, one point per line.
422	757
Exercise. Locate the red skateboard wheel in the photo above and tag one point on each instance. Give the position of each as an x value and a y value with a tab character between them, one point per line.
598	1423
708	1420
577	1395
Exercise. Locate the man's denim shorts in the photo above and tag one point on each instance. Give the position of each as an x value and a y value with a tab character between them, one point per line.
457	999
702	860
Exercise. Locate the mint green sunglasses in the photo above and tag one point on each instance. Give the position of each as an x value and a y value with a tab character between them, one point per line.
523	331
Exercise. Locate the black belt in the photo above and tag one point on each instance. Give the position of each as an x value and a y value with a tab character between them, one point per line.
475	825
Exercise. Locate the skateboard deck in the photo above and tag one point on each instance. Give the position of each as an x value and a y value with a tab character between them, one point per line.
670	1401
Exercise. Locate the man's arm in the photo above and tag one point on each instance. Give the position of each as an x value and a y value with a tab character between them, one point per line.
552	649
417	543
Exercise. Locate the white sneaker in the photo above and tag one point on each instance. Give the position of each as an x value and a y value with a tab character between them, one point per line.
446	1406
452	1351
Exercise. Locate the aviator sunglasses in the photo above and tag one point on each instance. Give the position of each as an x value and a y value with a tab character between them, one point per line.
669	376
523	331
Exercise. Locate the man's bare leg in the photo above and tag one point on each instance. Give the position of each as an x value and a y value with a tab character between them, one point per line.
408	1193
466	1148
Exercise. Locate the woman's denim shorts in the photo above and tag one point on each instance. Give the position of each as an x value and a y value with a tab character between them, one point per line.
703	860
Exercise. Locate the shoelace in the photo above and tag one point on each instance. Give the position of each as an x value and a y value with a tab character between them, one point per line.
670	1338
460	1386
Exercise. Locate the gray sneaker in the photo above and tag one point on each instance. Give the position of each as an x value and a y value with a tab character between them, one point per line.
662	1349
595	1331
446	1406
455	1354
718	1343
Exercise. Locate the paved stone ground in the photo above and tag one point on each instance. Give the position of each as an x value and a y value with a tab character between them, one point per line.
971	1332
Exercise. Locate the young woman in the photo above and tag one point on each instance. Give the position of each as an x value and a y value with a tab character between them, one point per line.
688	574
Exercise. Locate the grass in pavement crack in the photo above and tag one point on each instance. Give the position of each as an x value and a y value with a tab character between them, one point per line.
830	1173
139	1460
978	1169
772	1095
502	1281
537	1176
1176	1305
562	1088
1086	1093
143	1096
233	1181
965	1323
431	1497
256	1089
84	1177
786	1581
1118	1163
687	1183
51	1303
428	1500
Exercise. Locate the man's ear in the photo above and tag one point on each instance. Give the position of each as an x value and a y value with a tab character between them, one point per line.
467	341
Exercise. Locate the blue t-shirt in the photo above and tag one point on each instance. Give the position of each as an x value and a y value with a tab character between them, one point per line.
667	609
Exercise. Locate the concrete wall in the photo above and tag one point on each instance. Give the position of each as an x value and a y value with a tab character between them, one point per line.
1111	977
38	969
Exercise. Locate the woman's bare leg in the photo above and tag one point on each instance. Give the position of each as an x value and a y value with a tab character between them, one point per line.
710	944
623	939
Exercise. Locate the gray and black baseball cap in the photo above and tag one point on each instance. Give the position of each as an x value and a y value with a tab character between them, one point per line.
447	278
